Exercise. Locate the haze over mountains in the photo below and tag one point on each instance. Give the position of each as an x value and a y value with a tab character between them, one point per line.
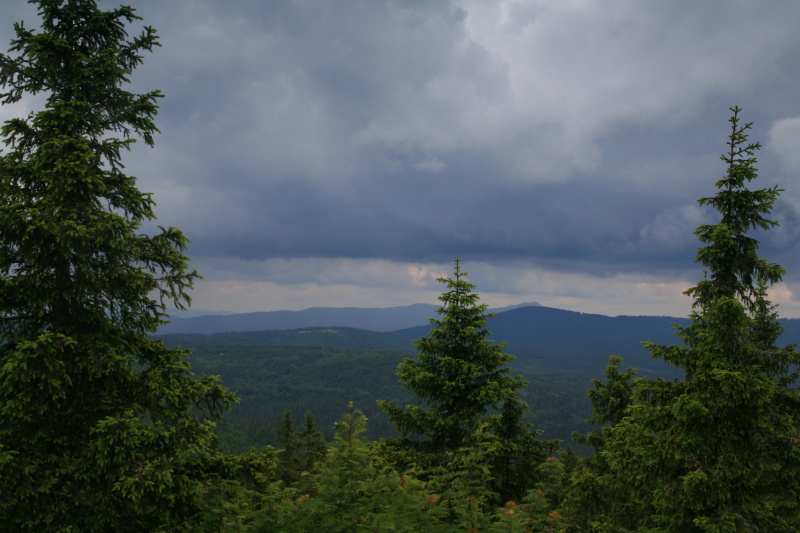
372	319
523	323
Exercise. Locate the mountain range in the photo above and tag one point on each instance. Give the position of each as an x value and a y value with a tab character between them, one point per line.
545	341
373	319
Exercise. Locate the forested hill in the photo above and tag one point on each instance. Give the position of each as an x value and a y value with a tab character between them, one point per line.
521	324
547	324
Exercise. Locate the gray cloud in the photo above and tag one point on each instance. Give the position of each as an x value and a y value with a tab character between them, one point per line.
567	137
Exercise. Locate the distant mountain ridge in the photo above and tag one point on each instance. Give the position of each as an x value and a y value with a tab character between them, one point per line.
519	324
545	340
372	319
525	325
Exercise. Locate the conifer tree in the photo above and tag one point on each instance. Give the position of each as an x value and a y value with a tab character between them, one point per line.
587	496
299	450
610	400
102	428
353	488
313	442
287	442
719	450
463	382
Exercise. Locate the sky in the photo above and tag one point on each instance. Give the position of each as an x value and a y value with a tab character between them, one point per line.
342	154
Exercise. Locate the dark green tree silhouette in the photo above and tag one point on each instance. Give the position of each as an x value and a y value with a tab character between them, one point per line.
299	450
287	442
720	449
463	382
314	447
586	497
102	428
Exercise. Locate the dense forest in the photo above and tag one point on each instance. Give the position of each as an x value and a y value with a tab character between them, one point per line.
106	427
322	369
268	380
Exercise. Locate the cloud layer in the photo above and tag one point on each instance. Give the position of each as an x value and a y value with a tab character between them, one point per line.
338	153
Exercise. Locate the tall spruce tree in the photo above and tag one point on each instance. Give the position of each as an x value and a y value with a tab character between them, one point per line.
719	450
463	382
102	428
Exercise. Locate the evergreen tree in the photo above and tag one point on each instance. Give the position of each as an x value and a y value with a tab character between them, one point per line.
719	450
463	381
102	428
587	497
354	488
314	447
287	442
299	450
610	401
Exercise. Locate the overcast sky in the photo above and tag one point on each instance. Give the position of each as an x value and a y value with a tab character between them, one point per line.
322	153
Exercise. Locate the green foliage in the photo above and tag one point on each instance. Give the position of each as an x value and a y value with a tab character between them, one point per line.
287	442
610	401
313	443
717	451
463	382
353	489
460	375
587	496
268	379
335	338
101	427
464	484
238	488
300	450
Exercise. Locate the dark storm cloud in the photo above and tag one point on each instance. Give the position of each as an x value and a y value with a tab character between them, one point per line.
571	136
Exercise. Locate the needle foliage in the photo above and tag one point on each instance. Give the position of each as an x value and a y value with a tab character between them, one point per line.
101	427
464	385
719	450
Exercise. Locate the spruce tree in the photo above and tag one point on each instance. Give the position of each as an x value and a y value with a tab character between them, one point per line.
314	447
610	400
287	442
299	450
462	380
102	428
720	449
587	497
